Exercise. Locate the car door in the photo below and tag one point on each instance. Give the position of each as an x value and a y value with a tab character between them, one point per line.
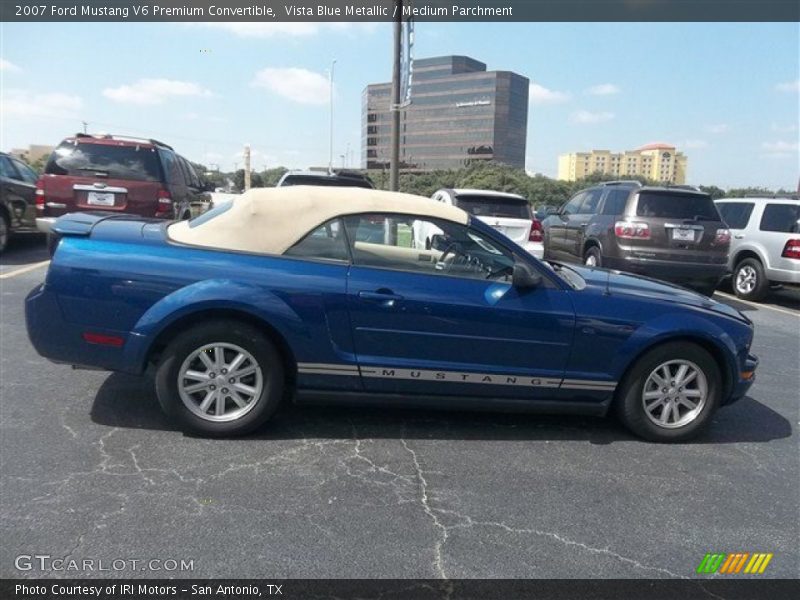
556	228
18	190
449	321
575	227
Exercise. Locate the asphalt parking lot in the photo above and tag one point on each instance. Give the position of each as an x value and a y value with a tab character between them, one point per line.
91	470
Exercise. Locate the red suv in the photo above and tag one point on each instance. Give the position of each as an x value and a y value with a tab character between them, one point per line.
119	174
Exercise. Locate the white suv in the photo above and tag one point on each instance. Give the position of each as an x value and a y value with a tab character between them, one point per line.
510	214
765	244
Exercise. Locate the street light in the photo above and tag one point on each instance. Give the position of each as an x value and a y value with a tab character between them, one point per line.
330	91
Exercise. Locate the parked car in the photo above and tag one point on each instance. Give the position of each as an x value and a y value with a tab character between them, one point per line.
765	249
338	178
283	297
669	233
17	198
118	174
509	214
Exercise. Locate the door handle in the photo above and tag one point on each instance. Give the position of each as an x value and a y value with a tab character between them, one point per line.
739	236
382	296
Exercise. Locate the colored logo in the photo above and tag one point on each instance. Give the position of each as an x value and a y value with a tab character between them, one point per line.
737	562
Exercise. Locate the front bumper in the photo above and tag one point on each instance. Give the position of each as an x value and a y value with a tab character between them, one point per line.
45	224
744	379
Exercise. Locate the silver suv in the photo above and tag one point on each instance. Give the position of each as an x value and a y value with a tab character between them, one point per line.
765	249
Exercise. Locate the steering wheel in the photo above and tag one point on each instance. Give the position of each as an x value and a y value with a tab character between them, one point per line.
451	249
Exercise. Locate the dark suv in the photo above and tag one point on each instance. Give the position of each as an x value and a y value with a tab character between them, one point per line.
17	187
670	233
119	174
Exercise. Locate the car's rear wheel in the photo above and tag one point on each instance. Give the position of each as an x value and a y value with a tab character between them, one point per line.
4	231
223	378
671	393
592	257
749	280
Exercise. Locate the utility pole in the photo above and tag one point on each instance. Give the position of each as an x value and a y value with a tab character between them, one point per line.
246	167
330	100
394	160
85	126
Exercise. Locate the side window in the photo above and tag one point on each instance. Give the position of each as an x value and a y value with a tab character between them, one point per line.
735	214
189	173
784	218
385	241
6	168
326	242
171	169
25	172
615	202
590	202
571	207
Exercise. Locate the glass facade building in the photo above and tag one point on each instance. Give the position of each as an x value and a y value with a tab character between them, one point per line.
459	113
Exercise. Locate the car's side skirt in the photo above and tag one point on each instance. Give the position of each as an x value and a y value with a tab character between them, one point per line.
325	398
522	380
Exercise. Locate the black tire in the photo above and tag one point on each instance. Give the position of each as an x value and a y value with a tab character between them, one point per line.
5	231
629	401
750	267
593	253
232	333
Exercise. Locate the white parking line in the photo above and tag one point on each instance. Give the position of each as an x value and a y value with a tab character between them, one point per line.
23	270
757	305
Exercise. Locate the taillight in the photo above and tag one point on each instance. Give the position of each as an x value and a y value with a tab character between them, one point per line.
723	237
536	231
630	230
791	249
164	208
39	196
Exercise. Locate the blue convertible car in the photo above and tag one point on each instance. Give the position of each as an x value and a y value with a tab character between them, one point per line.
320	294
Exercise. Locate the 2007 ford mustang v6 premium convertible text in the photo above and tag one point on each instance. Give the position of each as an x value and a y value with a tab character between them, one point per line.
322	295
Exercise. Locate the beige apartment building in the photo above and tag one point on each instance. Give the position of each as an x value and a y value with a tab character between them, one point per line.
658	161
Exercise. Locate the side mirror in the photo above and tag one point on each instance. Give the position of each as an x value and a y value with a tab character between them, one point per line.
438	242
524	277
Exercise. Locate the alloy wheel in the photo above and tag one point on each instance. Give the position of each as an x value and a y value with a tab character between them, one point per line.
746	279
675	393
220	382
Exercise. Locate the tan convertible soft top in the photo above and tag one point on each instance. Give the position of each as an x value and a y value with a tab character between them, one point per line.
272	220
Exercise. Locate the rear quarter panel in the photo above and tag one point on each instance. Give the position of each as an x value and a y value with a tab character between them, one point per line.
138	290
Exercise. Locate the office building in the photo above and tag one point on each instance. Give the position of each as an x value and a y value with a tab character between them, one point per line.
459	113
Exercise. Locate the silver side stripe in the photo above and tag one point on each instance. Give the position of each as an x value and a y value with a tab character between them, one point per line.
454	376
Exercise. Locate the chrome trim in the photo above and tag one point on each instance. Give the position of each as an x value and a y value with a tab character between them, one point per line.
99	187
682	226
55	205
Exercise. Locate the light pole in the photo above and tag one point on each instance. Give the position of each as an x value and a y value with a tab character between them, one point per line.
394	164
330	100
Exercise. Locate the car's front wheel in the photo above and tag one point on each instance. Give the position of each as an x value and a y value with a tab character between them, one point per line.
222	378
4	231
670	393
749	280
592	257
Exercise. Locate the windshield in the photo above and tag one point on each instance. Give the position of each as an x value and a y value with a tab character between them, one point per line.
672	205
494	206
568	275
326	181
116	162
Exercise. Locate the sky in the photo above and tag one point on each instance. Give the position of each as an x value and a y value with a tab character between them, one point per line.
725	94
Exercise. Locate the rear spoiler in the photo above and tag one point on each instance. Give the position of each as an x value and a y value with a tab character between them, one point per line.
82	223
